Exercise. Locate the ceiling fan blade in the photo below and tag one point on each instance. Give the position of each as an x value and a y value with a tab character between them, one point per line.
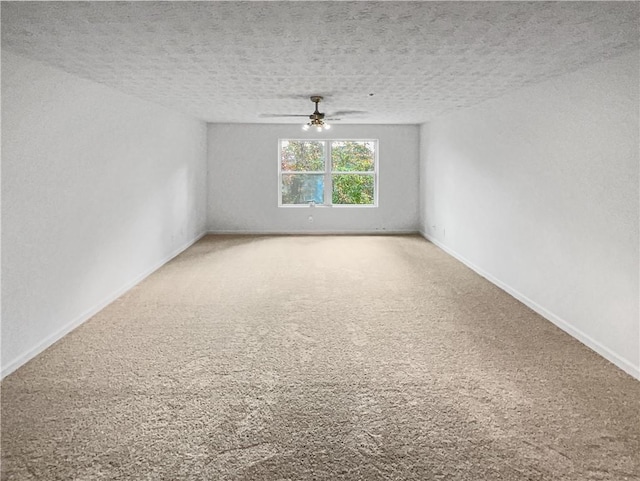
347	112
282	115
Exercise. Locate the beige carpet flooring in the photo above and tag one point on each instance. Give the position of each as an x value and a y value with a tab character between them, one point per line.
319	358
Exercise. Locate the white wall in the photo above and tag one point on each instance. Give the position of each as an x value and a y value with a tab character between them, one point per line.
243	181
98	189
538	190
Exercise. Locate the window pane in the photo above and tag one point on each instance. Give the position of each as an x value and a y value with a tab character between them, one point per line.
302	188
302	155
353	189
352	156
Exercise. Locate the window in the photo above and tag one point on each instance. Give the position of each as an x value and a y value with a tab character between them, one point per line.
328	172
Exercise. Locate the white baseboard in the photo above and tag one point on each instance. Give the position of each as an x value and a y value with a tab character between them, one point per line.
307	232
50	340
585	339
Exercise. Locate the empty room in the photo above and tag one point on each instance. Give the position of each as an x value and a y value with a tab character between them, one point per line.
320	241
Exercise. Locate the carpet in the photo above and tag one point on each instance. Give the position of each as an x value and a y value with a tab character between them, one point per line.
319	358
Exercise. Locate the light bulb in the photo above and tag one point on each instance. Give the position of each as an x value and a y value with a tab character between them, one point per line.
327	126
305	127
319	128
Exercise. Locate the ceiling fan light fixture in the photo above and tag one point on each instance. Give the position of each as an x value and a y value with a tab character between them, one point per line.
319	125
316	119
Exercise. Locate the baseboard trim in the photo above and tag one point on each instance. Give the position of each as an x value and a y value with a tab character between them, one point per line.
307	232
78	321
574	332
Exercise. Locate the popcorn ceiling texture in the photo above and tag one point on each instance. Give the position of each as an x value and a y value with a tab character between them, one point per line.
232	61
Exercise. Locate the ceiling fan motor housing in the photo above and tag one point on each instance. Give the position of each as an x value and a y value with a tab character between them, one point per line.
317	115
316	119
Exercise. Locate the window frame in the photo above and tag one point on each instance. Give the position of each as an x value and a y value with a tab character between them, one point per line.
329	172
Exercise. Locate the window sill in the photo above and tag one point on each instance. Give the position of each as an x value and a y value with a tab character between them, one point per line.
328	206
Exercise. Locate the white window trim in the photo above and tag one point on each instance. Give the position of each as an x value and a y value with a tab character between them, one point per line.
328	173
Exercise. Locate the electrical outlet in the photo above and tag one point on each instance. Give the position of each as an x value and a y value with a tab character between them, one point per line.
310	218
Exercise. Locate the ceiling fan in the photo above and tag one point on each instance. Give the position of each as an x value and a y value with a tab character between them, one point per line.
317	119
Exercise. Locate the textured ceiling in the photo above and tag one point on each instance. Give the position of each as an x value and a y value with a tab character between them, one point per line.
233	61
